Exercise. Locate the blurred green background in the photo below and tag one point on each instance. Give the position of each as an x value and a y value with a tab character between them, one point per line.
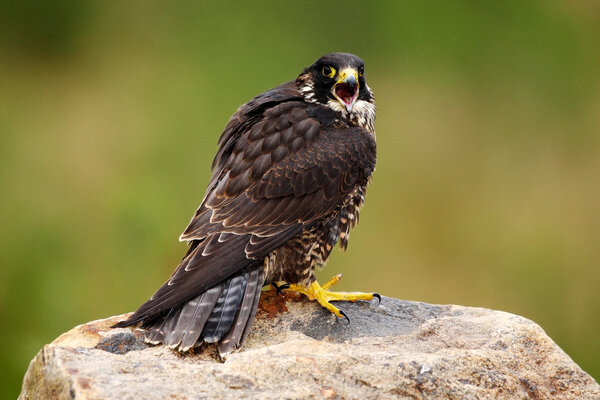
487	189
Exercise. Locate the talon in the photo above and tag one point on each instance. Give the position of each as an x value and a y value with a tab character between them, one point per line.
283	287
345	316
378	296
278	289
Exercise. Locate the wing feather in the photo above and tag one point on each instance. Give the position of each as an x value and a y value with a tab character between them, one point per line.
282	166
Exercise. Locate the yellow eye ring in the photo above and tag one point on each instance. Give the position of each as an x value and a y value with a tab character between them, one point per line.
328	71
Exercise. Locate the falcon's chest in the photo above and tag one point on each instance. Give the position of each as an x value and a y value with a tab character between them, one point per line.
296	260
363	114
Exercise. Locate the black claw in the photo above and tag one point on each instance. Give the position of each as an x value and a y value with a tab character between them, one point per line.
378	297
280	288
345	316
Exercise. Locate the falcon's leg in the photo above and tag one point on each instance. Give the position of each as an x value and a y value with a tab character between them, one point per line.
314	291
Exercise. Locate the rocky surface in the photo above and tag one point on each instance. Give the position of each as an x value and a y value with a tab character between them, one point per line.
398	349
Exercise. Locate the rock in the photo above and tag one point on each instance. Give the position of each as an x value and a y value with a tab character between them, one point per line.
399	349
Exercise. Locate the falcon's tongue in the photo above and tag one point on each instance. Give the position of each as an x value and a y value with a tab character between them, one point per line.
346	92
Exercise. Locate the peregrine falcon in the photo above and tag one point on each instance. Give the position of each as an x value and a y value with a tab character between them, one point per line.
287	184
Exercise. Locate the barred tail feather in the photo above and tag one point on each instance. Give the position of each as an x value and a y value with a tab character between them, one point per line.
169	326
245	315
221	314
155	330
195	322
253	308
187	325
226	308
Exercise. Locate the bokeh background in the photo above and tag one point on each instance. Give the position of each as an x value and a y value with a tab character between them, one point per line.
487	189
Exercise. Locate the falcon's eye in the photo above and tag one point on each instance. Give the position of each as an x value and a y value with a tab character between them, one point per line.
328	71
361	71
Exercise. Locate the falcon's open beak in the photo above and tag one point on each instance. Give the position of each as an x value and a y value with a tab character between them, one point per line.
346	88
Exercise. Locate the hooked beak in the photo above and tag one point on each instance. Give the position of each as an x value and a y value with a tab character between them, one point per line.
346	88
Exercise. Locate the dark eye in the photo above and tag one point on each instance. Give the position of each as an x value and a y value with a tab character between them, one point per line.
328	71
361	70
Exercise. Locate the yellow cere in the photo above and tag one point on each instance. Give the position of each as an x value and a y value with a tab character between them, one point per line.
347	72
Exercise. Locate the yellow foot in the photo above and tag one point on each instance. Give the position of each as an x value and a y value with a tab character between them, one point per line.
315	292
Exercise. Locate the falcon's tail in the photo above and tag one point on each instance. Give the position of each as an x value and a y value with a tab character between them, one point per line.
211	297
223	314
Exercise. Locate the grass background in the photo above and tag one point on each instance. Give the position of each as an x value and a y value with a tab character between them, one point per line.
486	193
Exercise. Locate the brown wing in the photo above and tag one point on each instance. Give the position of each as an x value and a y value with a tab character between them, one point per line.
282	167
292	167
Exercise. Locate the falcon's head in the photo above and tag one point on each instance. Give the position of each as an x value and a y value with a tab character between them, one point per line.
337	80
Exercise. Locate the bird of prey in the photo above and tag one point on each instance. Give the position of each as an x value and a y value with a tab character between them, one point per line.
287	183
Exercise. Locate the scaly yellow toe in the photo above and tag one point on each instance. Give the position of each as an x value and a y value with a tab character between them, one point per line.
314	291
